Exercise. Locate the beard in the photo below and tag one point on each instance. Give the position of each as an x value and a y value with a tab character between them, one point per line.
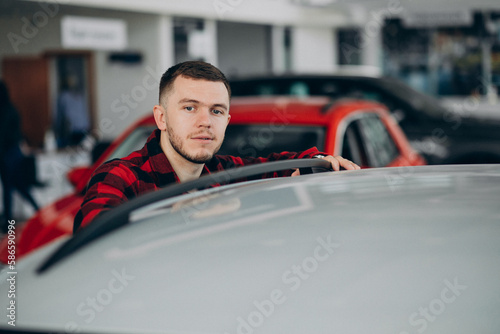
177	145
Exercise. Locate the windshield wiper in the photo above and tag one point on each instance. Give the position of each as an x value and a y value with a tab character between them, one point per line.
119	216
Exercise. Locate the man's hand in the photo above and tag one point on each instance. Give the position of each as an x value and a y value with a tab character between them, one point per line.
336	163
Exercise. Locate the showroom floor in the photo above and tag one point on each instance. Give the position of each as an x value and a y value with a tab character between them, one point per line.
52	168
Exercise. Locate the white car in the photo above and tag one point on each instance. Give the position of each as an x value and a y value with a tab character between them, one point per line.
385	250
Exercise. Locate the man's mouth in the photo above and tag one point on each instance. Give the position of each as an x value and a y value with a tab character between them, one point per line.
206	138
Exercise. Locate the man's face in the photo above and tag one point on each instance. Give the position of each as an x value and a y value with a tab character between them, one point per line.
195	115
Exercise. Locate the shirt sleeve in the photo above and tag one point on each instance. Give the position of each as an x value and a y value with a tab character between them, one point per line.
112	184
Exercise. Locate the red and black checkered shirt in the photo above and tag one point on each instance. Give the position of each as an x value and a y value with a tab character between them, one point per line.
148	169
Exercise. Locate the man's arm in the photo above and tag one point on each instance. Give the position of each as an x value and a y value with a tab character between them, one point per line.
112	184
337	162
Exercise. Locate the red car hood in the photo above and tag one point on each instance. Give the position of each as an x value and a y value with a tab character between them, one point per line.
46	225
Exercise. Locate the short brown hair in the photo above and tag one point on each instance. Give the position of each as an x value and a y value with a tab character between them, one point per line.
192	69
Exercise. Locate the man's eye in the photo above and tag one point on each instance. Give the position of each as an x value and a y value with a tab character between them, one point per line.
189	108
218	112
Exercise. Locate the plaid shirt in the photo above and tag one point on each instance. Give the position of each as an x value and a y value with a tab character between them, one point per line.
148	169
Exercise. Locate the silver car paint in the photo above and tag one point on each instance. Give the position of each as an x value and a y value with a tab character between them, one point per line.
391	250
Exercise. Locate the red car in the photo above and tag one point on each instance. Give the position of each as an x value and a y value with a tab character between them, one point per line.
361	131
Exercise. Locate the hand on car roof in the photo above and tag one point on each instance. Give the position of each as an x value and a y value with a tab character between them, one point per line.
337	162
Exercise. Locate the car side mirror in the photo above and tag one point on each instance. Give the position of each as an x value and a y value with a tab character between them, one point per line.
79	177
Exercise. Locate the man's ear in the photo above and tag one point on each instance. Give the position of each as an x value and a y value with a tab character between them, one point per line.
160	119
228	118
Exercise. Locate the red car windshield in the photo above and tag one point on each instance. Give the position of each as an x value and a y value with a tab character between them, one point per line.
262	140
245	140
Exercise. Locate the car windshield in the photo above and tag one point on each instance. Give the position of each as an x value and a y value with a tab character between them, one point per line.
244	140
133	142
262	140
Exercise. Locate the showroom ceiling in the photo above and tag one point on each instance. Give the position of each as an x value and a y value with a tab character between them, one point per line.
412	4
277	12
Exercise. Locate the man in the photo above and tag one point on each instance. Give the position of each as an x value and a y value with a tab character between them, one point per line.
72	120
12	159
192	116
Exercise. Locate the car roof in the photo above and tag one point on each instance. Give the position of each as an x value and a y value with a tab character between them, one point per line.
355	251
316	110
423	103
372	79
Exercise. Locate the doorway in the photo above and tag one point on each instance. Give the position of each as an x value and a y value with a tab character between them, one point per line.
27	81
36	84
71	97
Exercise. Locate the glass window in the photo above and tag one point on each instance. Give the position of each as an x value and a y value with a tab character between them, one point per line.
352	145
349	46
135	141
262	140
379	144
367	142
265	90
299	89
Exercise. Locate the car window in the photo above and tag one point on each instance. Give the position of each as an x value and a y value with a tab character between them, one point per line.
262	140
342	88
265	89
299	89
380	146
352	145
133	142
289	88
367	142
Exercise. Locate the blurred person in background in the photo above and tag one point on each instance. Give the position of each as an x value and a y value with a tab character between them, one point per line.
12	159
71	123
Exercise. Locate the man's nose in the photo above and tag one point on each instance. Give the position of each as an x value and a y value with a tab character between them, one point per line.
203	118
